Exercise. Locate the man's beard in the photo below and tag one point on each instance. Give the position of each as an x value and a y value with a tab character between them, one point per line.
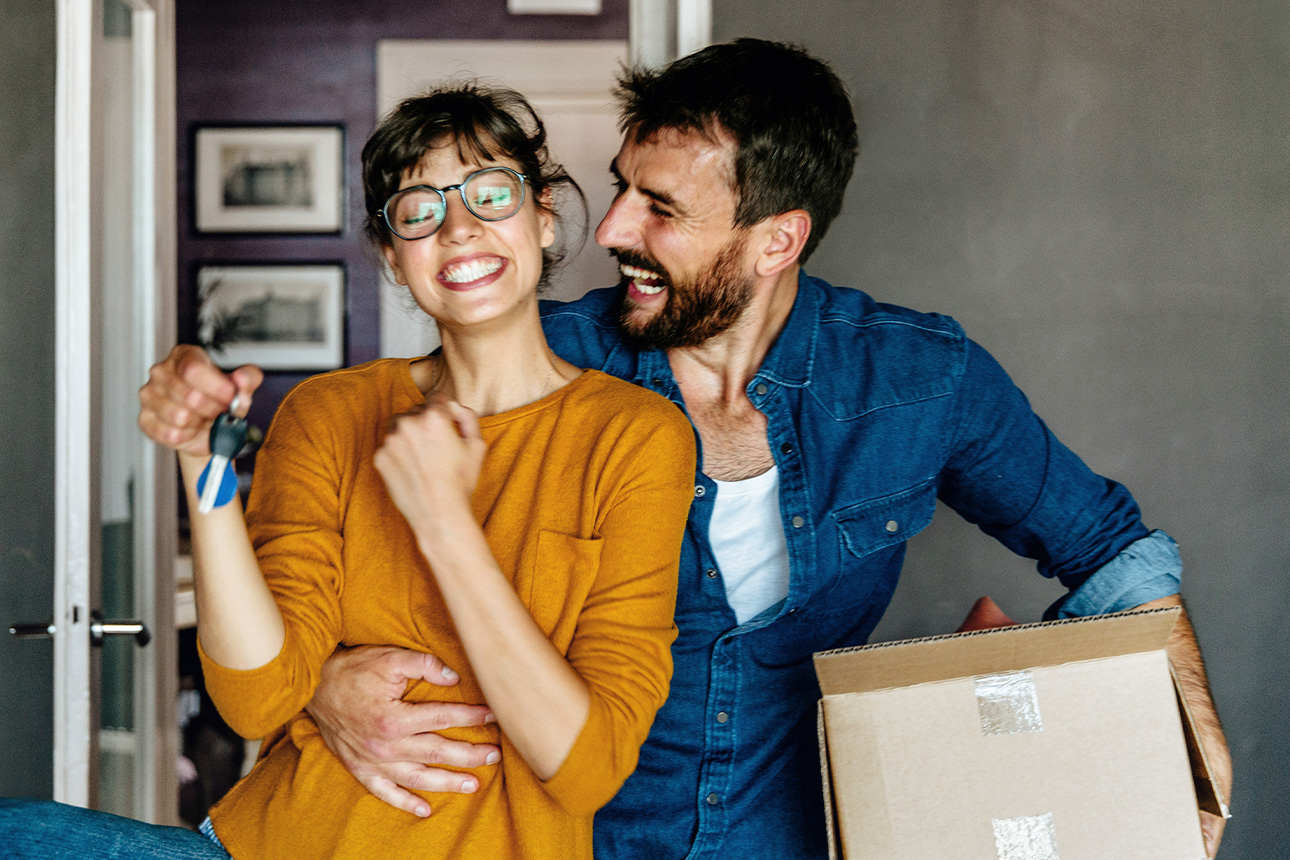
695	311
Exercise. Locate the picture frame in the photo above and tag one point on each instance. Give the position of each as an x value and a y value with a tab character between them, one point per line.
278	316
269	179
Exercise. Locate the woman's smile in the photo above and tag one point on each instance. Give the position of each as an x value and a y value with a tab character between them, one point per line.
472	271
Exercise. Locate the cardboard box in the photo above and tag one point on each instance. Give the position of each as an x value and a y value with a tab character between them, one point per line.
1063	740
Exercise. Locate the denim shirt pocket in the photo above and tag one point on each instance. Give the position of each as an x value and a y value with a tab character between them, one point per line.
833	614
878	523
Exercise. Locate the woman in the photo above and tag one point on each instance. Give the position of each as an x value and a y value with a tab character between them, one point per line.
491	504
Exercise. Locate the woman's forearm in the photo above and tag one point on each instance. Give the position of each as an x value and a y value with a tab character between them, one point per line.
539	700
239	621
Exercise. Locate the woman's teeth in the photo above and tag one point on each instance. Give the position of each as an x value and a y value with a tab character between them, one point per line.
645	281
465	273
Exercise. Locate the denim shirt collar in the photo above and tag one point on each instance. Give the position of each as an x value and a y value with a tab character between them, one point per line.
791	359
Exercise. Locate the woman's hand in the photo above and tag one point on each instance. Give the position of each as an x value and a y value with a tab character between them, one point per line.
185	393
430	462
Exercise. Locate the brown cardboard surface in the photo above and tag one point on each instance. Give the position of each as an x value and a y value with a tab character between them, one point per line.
913	772
830	817
1004	649
1208	793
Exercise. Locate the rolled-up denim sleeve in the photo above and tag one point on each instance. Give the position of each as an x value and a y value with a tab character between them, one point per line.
1147	569
1008	473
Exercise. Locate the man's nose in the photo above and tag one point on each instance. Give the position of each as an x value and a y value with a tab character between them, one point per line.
618	228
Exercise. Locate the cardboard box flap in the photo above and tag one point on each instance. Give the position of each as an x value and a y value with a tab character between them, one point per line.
1209	794
1004	649
830	818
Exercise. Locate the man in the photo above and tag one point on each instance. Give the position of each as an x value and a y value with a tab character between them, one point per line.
828	424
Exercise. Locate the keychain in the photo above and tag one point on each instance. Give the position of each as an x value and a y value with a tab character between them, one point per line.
218	482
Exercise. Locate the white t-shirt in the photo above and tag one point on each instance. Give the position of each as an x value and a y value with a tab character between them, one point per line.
748	541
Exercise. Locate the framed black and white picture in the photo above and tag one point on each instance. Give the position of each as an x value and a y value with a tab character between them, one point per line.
269	179
279	317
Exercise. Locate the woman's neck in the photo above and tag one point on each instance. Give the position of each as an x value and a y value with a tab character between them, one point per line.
494	372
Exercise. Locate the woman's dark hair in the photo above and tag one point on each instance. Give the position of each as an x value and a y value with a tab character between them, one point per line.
485	123
789	115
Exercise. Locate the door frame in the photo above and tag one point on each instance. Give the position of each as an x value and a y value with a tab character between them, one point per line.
662	30
76	416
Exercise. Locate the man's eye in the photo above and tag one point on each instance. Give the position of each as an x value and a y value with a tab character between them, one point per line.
659	211
619	186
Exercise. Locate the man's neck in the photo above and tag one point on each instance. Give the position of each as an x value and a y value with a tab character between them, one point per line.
721	368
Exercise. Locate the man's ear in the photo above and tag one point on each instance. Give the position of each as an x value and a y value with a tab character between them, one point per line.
393	260
786	235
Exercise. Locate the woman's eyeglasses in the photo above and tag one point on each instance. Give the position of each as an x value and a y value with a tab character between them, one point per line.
491	194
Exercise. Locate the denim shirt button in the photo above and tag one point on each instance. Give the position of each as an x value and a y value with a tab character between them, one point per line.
893	526
722	716
699	490
786	448
713	800
798	522
711	572
657	382
761	388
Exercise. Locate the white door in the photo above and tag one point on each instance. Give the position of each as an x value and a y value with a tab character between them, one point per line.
114	724
569	84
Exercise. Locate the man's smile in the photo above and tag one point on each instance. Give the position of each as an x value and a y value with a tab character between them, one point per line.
646	282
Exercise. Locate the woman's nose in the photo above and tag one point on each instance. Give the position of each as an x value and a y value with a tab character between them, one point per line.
459	223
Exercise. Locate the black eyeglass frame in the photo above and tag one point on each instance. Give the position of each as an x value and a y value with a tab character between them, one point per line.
460	188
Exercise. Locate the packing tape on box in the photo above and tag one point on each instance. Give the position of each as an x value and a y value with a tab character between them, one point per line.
1008	704
1030	837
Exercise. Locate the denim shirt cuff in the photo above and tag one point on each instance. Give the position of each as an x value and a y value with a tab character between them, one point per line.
1145	570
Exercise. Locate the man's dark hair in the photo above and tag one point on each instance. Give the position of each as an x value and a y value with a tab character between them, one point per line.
485	124
789	115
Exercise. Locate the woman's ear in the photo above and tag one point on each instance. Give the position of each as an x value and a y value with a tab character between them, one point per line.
393	259
546	211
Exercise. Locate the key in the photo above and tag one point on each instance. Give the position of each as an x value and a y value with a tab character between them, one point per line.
218	482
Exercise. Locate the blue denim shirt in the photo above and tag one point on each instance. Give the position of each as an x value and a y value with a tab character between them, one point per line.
873	412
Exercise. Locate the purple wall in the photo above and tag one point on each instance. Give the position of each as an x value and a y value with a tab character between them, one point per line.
295	62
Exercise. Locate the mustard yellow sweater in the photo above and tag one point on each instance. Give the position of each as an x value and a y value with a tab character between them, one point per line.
583	499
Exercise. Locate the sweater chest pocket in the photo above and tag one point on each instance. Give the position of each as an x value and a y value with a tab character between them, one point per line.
554	585
870	526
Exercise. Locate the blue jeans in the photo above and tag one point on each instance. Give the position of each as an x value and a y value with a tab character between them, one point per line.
44	830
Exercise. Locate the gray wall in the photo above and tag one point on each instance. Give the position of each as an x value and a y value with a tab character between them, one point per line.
26	390
1100	193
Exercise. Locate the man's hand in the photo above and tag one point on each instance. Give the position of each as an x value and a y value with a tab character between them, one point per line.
985	615
1184	654
389	744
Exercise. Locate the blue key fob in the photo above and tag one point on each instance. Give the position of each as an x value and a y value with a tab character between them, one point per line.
227	484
